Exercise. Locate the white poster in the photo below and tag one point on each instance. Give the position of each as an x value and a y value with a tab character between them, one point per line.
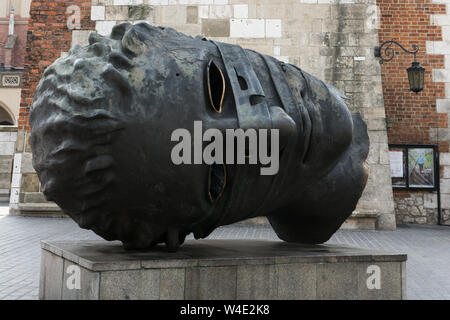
396	160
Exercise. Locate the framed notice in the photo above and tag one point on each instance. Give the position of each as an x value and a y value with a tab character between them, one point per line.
397	158
413	166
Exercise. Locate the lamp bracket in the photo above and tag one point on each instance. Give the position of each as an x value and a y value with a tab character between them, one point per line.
389	52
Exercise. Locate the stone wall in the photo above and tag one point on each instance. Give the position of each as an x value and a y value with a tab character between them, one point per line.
333	41
8	136
10	101
441	77
419	207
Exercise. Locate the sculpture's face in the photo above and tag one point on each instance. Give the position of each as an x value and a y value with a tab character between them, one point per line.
102	122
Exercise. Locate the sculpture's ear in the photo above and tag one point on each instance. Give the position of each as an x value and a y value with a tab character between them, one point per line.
133	41
137	38
216	86
118	31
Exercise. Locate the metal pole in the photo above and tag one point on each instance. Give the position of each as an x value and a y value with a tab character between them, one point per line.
438	185
11	22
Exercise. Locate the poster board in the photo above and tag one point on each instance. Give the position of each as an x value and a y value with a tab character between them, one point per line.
413	166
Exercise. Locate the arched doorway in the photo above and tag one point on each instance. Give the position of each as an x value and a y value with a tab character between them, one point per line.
6	118
8	132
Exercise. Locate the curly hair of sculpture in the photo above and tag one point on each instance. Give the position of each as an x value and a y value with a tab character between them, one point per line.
102	121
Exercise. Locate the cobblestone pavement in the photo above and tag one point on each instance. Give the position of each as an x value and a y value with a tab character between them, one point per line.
428	265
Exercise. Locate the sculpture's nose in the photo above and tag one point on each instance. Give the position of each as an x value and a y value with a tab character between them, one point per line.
283	122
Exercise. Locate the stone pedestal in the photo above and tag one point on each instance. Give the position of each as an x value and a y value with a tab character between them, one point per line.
219	269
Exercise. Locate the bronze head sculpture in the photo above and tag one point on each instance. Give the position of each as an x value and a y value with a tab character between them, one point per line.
102	121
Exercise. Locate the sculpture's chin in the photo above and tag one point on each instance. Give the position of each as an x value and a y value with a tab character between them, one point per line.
324	207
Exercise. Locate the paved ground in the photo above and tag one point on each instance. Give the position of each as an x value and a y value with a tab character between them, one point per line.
428	266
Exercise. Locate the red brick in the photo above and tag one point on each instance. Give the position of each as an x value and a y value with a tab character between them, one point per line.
49	37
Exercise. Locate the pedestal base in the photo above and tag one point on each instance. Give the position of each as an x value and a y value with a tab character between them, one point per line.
219	269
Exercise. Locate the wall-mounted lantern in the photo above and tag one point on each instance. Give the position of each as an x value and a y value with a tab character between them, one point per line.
416	73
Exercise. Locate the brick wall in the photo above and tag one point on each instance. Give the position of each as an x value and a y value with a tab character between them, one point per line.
411	117
416	118
12	57
48	35
18	53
